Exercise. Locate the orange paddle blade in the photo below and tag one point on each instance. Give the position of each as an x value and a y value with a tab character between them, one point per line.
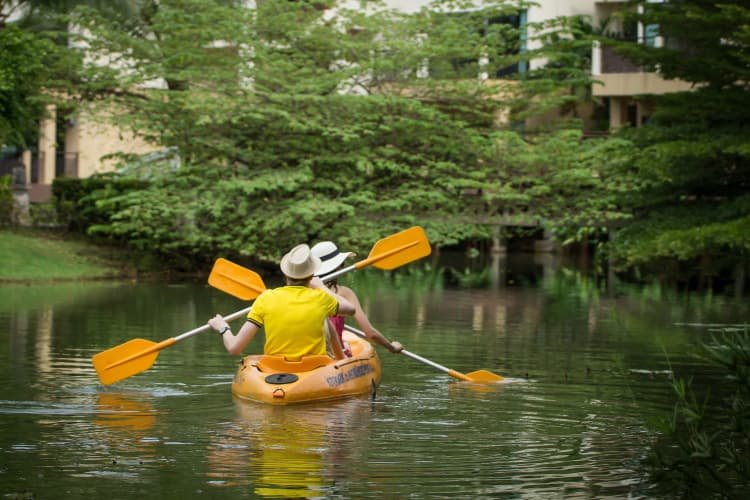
398	249
124	360
236	280
484	376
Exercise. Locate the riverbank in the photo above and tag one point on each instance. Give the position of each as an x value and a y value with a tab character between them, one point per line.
45	255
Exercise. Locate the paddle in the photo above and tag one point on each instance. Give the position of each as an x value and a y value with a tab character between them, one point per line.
482	376
388	253
234	286
137	355
391	252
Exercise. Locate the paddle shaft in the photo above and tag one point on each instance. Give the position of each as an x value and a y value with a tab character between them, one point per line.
416	357
173	340
205	327
366	262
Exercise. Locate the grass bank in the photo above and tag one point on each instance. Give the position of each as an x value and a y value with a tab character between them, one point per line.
48	255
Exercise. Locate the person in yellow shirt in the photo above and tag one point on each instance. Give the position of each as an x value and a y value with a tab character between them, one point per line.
293	316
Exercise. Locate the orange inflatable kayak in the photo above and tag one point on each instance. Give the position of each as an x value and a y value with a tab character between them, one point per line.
275	380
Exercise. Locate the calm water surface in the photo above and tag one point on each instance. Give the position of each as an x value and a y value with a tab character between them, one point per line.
588	368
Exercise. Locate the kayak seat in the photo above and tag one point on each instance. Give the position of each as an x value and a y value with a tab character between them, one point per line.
279	364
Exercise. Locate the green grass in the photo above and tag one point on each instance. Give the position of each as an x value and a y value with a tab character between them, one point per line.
45	255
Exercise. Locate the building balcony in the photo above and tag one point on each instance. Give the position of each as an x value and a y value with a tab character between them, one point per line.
619	77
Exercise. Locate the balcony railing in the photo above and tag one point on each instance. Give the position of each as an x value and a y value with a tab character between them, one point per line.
612	62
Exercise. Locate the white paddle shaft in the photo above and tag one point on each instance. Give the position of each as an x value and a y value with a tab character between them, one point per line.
409	354
205	327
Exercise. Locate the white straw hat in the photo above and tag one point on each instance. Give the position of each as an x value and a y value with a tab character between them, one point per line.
299	263
330	257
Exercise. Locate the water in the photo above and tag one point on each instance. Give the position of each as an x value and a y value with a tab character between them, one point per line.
588	368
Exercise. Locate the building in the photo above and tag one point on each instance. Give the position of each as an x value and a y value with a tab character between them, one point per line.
624	86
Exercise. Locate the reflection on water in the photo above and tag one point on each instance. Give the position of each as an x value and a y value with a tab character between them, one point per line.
293	452
128	413
124	422
487	390
592	367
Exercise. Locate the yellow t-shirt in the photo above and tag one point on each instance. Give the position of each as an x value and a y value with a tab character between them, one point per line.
293	318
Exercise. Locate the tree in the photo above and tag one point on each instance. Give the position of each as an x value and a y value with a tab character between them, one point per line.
693	157
296	124
36	66
28	62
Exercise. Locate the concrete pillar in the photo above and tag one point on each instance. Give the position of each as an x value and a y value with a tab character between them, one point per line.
498	260
47	149
20	196
484	61
498	265
548	262
596	58
611	277
26	160
617	113
498	246
72	146
547	244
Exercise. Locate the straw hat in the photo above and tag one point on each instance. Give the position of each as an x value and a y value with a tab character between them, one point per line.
330	256
299	263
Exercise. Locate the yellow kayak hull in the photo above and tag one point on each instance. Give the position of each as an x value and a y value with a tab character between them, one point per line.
277	381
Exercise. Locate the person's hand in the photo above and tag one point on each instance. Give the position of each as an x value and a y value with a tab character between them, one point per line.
396	347
218	323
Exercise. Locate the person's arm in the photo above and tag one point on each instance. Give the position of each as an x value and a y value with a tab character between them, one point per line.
234	344
373	335
336	349
346	308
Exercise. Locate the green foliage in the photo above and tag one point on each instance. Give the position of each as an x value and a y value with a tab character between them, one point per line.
403	284
561	179
692	160
471	279
37	67
6	201
295	123
298	127
566	48
76	201
704	451
712	34
25	65
693	169
44	215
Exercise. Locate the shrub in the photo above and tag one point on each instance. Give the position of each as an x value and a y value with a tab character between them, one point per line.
705	448
76	199
6	201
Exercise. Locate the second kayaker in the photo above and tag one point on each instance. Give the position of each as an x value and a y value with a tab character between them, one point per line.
332	259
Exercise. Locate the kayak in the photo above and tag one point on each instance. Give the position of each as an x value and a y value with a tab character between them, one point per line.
278	381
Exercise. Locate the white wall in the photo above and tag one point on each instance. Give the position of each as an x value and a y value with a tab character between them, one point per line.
546	9
406	5
550	9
